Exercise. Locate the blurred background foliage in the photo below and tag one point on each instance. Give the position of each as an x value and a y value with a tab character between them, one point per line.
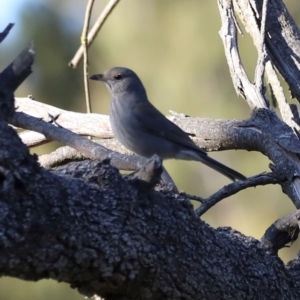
175	48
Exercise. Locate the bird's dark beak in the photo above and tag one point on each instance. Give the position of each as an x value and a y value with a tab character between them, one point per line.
97	77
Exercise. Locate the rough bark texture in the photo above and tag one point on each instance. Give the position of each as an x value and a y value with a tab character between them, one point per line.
99	233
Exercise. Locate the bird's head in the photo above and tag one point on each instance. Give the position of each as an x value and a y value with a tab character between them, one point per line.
120	80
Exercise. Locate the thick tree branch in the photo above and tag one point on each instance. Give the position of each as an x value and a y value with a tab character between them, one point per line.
84	124
250	16
280	144
282	38
252	93
102	236
87	147
244	88
283	231
211	135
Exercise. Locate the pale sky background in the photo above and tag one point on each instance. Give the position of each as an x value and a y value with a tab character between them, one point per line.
9	14
10	10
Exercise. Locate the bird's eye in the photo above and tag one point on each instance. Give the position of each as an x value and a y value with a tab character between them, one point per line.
118	77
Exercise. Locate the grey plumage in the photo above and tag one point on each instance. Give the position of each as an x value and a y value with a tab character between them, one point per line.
141	128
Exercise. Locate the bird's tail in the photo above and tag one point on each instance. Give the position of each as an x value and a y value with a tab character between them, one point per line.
230	173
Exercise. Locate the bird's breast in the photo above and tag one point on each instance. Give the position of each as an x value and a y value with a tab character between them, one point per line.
133	132
124	125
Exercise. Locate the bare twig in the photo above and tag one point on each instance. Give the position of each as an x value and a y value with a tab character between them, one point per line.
194	197
260	67
94	31
85	29
233	188
6	31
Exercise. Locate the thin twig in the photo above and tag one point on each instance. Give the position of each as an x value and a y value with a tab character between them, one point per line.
94	31
235	187
237	26
260	67
85	29
6	31
193	197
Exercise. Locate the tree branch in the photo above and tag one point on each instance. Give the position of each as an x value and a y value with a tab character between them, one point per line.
84	124
100	234
6	31
94	31
260	67
280	144
282	38
241	83
283	231
84	43
233	188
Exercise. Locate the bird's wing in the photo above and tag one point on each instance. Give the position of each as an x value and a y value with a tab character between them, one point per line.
154	122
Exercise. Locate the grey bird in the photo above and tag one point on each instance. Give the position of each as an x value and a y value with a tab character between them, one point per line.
143	129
